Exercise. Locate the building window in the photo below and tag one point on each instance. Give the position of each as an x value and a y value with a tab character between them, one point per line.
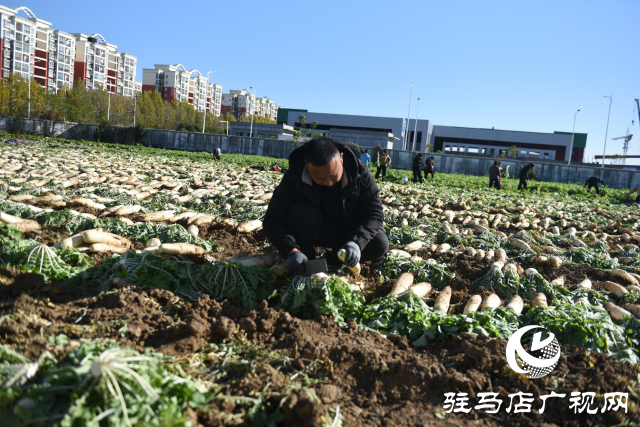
447	148
492	151
238	133
473	150
272	137
546	155
261	135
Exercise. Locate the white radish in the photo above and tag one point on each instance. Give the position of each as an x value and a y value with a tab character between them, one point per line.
473	304
615	288
105	247
520	244
490	301
539	299
616	312
585	284
625	276
248	227
413	246
443	300
180	249
421	290
192	229
554	261
402	284
516	304
153	242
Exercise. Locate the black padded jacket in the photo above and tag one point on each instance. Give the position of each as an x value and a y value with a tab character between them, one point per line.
361	204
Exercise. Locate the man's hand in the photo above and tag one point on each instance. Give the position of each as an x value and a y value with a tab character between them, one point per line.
294	262
352	258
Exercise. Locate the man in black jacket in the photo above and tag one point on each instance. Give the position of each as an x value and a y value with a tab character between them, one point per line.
328	198
417	164
594	181
494	174
524	174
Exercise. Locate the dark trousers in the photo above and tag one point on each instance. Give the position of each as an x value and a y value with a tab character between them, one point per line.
382	169
308	226
427	172
494	183
523	183
593	185
638	199
417	175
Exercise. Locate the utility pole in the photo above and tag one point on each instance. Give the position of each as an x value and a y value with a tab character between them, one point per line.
29	99
204	119
607	132
109	107
135	104
415	130
252	100
572	134
405	137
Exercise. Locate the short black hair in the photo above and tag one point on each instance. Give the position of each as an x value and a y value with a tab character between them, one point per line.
384	151
320	151
532	165
419	154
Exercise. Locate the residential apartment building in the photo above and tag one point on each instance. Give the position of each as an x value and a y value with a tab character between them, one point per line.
240	103
176	82
56	59
99	65
17	44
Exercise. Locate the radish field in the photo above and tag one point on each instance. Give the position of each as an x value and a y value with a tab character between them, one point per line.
137	288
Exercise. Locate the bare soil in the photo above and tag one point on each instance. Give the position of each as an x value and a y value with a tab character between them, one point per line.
377	381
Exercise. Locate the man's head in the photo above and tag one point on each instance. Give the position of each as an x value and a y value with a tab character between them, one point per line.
419	155
532	165
384	151
498	163
324	161
431	158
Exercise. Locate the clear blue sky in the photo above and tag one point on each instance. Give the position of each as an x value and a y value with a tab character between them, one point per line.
510	65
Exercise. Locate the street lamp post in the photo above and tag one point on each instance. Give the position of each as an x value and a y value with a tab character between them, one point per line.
29	99
415	129
405	137
607	132
109	106
252	101
224	121
572	134
205	102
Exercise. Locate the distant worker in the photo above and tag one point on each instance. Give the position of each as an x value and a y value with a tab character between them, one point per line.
495	174
524	175
636	190
217	152
429	166
417	164
366	158
384	161
594	181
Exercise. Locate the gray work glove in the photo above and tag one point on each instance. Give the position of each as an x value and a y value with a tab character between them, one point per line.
294	262
352	258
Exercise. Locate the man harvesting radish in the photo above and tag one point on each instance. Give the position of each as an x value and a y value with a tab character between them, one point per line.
328	198
524	175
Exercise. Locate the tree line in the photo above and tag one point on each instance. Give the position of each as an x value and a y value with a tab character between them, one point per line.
95	106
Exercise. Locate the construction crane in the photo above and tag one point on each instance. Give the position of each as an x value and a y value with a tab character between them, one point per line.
625	147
